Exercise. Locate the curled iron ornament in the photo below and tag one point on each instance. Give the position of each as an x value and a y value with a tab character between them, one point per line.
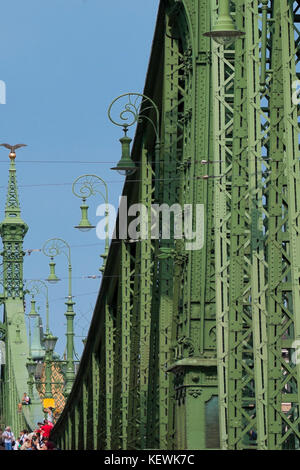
34	287
87	185
56	246
134	111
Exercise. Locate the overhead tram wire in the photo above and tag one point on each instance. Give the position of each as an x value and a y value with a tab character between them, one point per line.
128	181
203	161
119	181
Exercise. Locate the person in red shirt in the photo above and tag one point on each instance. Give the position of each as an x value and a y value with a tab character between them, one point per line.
46	429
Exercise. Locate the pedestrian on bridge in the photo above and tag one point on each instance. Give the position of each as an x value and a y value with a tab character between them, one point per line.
46	429
27	445
23	436
9	438
25	399
17	445
49	412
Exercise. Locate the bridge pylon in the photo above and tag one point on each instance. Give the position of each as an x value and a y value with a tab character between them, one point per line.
14	375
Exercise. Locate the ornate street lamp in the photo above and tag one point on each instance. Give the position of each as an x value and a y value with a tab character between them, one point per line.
36	349
31	363
83	187
38	371
36	287
49	343
84	224
126	165
52	248
137	107
52	278
224	31
31	366
33	311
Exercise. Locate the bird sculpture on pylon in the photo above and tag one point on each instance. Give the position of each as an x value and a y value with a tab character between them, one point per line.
12	149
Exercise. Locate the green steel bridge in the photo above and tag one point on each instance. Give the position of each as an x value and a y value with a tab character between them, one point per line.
193	344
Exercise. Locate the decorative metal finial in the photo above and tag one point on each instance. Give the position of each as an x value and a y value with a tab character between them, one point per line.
12	149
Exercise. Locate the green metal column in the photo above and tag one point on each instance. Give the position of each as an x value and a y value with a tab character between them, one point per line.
84	406
95	399
222	77
289	42
141	313
126	297
258	267
76	427
109	361
195	365
247	308
122	352
275	225
166	194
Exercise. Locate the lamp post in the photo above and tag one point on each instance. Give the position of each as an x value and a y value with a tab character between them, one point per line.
31	366
49	342
54	247
224	31
83	187
35	287
135	107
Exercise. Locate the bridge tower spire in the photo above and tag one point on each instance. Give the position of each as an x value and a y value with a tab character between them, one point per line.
14	380
13	230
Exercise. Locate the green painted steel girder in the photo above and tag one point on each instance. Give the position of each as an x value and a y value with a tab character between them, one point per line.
197	348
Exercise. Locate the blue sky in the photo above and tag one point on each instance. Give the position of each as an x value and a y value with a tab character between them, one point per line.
63	62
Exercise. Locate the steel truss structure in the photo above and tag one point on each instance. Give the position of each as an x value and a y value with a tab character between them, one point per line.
196	348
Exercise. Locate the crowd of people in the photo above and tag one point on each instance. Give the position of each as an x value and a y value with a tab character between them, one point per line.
39	439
